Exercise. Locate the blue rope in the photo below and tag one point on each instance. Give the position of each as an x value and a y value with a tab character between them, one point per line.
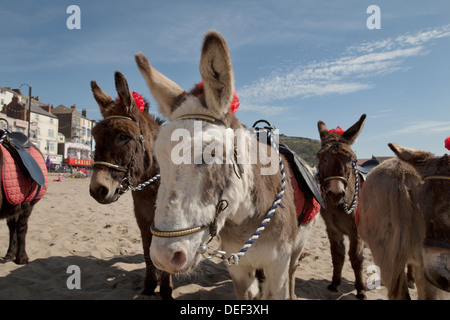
235	257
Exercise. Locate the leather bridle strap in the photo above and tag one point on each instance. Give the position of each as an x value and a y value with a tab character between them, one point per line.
437	177
110	165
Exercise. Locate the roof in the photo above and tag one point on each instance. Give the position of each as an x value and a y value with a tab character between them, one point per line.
62	109
35	108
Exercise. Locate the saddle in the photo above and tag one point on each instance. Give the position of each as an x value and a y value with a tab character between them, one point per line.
307	197
365	168
23	169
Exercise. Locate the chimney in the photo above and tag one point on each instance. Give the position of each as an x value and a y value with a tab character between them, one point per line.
46	107
84	113
74	106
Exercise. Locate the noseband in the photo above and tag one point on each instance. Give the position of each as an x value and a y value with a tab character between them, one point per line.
348	210
127	170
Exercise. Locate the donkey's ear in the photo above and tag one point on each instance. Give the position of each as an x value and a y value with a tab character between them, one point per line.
323	131
164	90
217	73
102	98
122	88
352	133
417	158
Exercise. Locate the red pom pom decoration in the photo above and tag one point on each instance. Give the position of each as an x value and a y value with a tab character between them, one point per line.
139	101
337	130
447	143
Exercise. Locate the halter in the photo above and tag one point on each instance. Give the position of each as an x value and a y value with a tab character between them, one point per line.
127	170
437	177
222	205
348	210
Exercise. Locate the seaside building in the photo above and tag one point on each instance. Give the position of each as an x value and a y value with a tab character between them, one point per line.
76	128
61	133
43	131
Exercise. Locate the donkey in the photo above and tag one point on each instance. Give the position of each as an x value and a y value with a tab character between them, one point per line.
123	159
17	215
338	180
404	217
200	199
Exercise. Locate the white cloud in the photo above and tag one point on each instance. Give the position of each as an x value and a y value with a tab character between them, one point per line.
345	74
424	127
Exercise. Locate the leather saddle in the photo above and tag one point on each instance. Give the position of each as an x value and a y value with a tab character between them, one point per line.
365	168
18	145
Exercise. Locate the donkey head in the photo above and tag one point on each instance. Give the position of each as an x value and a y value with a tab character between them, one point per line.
198	187
335	162
121	151
434	201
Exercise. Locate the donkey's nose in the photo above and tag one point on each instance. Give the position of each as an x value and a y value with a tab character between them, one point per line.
178	260
99	193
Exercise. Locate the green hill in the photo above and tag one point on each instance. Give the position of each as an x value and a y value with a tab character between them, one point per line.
304	147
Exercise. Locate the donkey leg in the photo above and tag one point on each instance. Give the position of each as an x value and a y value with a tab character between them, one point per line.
356	259
276	286
302	237
337	247
166	286
12	249
244	282
21	231
151	279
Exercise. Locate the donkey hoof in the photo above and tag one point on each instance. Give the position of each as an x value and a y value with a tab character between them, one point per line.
21	260
332	288
361	295
9	257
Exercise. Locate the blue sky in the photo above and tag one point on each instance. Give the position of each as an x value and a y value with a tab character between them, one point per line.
295	62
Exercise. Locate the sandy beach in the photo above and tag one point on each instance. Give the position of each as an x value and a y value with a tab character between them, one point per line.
68	227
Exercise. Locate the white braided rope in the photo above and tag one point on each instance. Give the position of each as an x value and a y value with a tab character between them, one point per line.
234	257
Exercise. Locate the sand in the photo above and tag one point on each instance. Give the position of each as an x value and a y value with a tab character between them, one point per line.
69	228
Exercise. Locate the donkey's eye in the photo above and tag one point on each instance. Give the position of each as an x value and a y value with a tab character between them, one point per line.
121	139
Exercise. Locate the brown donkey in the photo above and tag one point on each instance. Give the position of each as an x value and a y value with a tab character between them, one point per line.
404	217
338	181
124	161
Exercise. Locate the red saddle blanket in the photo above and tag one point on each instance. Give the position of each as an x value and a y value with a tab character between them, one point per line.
306	212
16	186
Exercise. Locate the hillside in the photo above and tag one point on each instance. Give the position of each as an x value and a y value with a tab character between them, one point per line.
304	147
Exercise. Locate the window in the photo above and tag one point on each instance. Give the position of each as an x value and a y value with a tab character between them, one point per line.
36	117
51	120
50	133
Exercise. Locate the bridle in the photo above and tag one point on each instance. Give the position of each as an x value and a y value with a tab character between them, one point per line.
222	204
348	210
125	184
